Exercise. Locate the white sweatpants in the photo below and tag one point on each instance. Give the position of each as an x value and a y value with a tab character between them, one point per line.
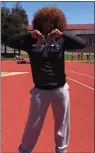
39	103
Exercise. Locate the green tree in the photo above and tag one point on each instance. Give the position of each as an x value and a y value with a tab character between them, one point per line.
13	21
20	16
5	12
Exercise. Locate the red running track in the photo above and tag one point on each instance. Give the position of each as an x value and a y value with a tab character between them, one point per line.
15	105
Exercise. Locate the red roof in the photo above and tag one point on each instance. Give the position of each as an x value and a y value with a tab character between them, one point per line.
80	26
29	27
75	27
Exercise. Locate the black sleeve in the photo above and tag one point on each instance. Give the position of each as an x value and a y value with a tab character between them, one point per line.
73	42
22	41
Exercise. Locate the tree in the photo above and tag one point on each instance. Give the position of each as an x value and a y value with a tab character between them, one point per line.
5	12
13	21
20	15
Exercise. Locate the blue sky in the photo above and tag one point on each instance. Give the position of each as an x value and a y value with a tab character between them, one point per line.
76	12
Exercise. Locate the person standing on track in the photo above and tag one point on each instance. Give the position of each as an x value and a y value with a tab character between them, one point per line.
82	56
78	56
45	46
89	57
72	57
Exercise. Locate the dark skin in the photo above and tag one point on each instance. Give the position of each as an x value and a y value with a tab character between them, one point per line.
48	31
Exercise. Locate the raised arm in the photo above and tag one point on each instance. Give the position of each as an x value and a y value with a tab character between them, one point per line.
21	41
73	42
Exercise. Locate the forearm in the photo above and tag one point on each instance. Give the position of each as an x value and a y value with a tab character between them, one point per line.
73	42
20	41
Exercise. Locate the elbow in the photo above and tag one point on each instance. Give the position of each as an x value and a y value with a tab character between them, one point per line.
8	42
83	44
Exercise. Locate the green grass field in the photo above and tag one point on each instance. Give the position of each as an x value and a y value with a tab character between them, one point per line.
67	57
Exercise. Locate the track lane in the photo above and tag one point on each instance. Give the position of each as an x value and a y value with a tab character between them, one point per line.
15	108
80	78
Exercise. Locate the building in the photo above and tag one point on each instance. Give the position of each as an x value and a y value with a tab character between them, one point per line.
86	31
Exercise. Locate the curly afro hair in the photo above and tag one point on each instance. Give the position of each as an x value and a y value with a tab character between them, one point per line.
52	13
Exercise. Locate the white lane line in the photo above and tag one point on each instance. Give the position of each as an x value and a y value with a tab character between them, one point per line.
81	83
3	74
80	73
